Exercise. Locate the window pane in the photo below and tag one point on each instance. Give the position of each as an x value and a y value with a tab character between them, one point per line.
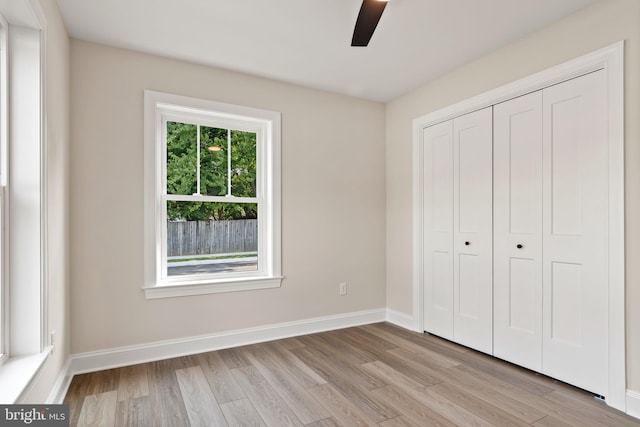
210	238
181	158
213	161
224	165
243	164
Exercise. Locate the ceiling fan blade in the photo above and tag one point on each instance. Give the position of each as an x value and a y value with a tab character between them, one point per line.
370	13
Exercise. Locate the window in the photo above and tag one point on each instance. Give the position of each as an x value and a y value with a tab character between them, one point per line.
26	339
212	197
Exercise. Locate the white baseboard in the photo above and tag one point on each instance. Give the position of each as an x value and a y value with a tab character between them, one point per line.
400	319
61	386
131	355
633	403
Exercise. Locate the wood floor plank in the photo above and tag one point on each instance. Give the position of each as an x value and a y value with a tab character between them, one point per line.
290	343
532	382
368	346
574	392
411	340
451	411
488	412
424	357
273	410
400	421
241	413
421	373
181	362
591	410
555	409
327	422
520	377
234	358
406	334
478	388
335	368
222	383
133	382
328	345
392	376
75	396
306	408
202	407
424	395
165	396
135	412
549	421
452	350
363	333
295	367
344	380
468	383
435	358
99	410
349	344
411	408
341	407
102	381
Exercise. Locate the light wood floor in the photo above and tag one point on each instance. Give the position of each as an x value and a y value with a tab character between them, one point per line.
374	375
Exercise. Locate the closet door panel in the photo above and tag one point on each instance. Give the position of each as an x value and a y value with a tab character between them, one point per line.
524	316
575	277
472	237
438	229
518	230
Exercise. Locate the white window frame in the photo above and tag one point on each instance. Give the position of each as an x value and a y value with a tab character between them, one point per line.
27	341
4	294
160	108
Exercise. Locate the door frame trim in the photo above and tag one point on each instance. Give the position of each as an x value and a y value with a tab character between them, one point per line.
611	60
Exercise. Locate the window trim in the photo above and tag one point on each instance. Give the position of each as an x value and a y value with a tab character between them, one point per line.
4	105
28	341
158	107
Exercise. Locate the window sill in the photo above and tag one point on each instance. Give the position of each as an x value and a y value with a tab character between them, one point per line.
211	287
17	373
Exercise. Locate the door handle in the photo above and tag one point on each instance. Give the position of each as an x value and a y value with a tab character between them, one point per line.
519	246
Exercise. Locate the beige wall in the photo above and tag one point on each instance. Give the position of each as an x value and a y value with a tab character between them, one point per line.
597	26
57	133
333	202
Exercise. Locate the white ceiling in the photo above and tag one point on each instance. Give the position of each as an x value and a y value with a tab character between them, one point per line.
307	42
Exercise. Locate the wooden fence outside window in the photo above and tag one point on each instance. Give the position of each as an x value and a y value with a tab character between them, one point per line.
211	237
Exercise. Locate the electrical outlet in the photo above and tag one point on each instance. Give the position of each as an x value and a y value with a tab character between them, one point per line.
343	288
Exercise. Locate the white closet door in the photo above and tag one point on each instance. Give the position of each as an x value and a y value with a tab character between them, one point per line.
575	222
472	236
518	231
438	229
